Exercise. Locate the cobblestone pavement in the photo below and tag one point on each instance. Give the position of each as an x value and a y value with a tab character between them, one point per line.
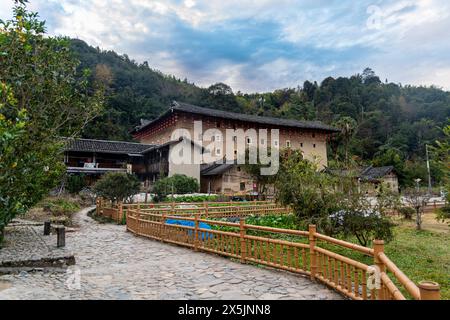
114	264
25	245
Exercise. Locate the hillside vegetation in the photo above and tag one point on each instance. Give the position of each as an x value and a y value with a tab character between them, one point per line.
384	123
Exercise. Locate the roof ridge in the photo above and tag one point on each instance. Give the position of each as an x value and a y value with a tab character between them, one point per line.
179	105
113	141
236	116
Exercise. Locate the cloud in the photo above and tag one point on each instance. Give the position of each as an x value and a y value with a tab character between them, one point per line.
261	45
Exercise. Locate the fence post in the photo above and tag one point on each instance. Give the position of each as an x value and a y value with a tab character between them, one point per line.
138	217
205	205
60	236
120	212
163	226
429	290
47	227
378	247
312	253
242	240
196	235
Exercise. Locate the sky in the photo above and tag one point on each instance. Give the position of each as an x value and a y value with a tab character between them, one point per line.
262	45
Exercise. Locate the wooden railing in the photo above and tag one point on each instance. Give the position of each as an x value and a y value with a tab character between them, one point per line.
305	256
229	209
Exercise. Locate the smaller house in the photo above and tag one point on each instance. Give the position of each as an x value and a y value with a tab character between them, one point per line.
377	176
371	178
225	178
93	157
149	162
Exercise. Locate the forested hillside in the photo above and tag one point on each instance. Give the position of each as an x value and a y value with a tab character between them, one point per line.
383	123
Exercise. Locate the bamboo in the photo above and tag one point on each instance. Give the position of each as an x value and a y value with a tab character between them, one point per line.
378	247
120	215
349	277
242	239
304	258
345	244
364	285
312	255
356	282
429	290
138	218
196	233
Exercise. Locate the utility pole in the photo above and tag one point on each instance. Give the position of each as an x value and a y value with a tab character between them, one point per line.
428	169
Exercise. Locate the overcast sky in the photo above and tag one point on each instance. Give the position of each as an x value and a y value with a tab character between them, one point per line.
261	45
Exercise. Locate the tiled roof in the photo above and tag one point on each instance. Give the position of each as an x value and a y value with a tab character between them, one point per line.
373	173
370	173
189	108
105	146
215	169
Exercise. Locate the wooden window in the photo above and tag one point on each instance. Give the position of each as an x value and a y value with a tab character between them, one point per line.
288	143
242	186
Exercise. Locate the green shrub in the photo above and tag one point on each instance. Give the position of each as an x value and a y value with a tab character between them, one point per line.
443	214
60	206
407	212
192	198
177	184
117	186
75	183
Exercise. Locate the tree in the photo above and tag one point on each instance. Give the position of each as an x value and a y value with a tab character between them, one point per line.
369	77
417	199
176	184
336	204
309	193
42	98
441	152
221	96
254	170
348	127
117	186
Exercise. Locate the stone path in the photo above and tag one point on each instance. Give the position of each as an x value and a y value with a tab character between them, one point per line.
25	246
114	264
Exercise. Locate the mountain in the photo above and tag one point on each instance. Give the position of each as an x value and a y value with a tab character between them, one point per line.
391	123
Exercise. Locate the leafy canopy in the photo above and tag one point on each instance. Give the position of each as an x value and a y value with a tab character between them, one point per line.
117	186
42	97
176	184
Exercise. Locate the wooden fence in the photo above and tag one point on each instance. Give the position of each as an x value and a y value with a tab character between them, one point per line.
239	241
229	209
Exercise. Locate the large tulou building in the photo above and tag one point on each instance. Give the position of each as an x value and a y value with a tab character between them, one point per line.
150	159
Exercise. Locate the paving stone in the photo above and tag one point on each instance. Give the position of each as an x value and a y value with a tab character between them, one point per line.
114	264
